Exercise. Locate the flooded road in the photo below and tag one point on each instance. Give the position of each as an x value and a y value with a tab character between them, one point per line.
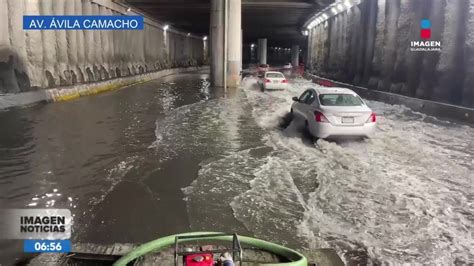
174	155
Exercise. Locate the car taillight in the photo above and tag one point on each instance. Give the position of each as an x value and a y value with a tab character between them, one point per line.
372	118
267	81
319	117
284	81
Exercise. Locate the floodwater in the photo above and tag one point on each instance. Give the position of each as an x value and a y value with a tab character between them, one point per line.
175	155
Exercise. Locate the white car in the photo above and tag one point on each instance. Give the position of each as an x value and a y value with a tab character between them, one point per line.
333	113
287	66
272	80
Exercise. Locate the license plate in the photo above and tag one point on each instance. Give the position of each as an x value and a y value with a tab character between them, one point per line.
275	81
348	120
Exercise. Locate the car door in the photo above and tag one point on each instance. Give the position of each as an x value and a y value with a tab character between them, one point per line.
299	106
306	108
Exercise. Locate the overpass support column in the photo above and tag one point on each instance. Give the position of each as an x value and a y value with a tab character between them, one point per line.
262	51
295	55
226	42
234	42
309	51
216	47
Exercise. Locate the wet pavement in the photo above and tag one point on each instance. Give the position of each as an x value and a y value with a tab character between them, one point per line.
175	155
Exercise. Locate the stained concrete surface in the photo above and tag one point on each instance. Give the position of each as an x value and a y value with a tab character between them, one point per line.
31	60
369	45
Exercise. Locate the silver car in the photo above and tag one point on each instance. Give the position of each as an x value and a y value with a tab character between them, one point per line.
333	112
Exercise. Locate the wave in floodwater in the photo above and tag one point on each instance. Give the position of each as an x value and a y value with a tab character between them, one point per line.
403	196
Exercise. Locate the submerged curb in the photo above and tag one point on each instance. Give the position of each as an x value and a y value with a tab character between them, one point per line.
68	93
437	109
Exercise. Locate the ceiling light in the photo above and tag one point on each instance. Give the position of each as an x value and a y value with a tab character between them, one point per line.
340	7
347	4
204	38
166	27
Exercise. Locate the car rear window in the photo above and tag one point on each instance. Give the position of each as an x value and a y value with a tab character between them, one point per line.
340	100
275	75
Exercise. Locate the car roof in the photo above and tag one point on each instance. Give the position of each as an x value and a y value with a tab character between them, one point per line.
273	72
334	90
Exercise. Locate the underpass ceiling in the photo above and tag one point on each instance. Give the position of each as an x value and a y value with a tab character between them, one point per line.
279	21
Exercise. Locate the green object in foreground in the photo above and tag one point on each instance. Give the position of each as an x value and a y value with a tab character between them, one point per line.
297	259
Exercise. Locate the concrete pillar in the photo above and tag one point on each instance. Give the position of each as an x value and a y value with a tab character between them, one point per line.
216	44
252	53
295	55
309	51
241	47
234	41
262	51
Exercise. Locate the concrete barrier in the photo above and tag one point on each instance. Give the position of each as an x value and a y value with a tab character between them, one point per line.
437	109
75	91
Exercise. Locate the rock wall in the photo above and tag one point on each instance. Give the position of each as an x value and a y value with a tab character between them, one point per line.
46	59
369	45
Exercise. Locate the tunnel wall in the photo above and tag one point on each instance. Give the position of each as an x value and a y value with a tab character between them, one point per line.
369	45
47	59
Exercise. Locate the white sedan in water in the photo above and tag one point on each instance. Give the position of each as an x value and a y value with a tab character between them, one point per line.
272	80
333	113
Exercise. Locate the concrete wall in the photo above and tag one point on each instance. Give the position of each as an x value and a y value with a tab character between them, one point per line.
369	45
67	93
46	59
437	109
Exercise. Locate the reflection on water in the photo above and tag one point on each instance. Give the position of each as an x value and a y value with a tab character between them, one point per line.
73	154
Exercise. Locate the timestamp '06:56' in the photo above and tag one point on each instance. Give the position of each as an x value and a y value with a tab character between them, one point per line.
47	246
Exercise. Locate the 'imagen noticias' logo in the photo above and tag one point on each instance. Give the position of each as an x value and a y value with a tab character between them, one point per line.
426	44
